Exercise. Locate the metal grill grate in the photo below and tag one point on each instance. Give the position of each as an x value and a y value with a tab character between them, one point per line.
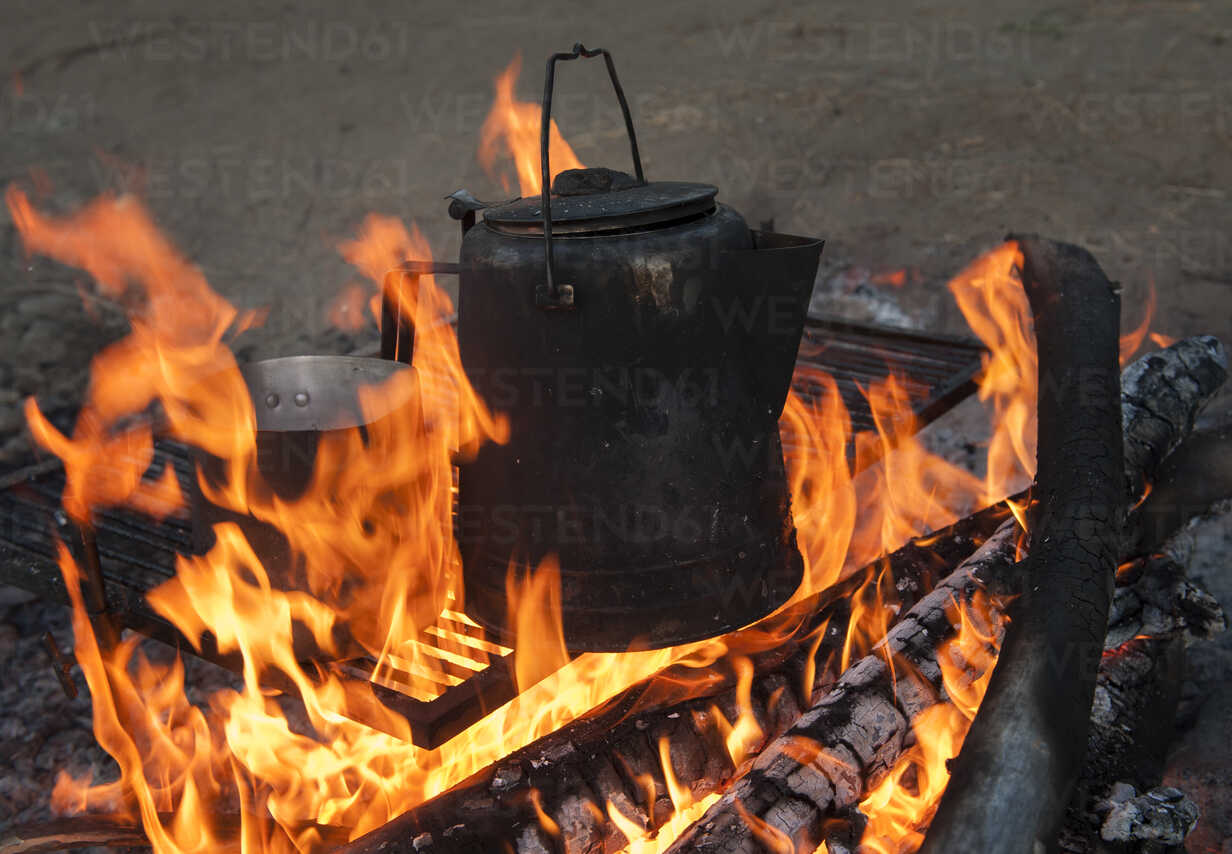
937	372
468	675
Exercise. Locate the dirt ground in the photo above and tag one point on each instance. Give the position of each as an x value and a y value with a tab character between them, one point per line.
910	136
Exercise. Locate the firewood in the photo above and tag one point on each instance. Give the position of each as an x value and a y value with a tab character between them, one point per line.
71	833
1156	612
1161	395
1010	784
1189	483
857	730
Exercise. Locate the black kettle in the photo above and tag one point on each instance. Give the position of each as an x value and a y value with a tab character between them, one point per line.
641	339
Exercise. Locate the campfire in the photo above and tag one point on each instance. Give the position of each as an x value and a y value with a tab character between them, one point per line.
606	559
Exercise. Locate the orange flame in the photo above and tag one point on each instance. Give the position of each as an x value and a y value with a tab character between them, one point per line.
539	643
741	739
992	300
1132	340
169	349
901	805
912	490
512	130
346	310
845	521
871	609
373	536
823	497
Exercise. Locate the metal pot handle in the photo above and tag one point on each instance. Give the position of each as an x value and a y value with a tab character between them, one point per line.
398	302
550	294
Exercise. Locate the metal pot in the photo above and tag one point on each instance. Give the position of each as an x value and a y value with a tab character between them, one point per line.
641	339
302	404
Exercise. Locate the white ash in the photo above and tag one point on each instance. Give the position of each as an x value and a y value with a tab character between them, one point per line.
1162	602
848	290
1153	822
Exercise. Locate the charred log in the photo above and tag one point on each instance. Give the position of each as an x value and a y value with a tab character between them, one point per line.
1156	600
1021	758
1161	395
104	832
1155	613
71	833
822	764
1156	822
1190	482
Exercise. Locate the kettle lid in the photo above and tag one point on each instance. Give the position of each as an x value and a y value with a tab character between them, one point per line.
603	200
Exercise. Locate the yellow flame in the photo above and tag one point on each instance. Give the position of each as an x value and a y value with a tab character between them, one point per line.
512	130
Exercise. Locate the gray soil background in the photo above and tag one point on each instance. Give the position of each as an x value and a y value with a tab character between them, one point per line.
910	136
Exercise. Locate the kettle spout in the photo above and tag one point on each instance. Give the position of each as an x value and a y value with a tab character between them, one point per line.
770	285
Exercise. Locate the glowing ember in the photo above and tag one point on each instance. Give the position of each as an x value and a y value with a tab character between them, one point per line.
896	278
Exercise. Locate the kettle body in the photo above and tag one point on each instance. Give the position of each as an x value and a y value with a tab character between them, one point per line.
644	451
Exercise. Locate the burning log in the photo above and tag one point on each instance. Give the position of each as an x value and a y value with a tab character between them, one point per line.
600	759
1159	403
1155	612
1021	758
818	768
1158	395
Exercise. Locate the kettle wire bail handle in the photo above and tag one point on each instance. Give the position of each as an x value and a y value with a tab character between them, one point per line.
550	294
399	300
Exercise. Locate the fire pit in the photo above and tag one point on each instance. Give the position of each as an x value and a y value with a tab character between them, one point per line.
791	664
